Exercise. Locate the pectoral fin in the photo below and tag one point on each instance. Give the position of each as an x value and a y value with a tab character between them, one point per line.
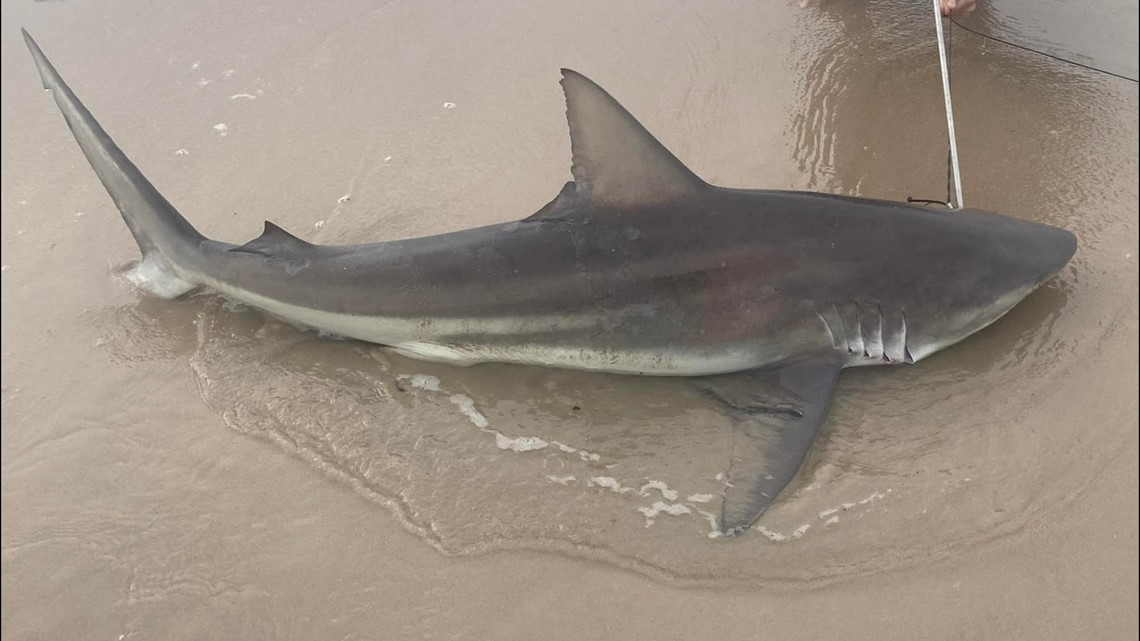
776	414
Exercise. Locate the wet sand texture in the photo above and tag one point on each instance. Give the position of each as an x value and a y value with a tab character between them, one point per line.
189	469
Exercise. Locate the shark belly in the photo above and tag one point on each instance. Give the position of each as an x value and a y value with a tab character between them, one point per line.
605	341
666	361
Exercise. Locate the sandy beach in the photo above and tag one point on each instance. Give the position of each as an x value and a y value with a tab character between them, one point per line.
191	469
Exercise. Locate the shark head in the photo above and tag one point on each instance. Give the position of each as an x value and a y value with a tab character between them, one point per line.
950	273
985	264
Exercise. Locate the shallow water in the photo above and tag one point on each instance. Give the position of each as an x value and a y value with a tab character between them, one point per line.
914	463
129	506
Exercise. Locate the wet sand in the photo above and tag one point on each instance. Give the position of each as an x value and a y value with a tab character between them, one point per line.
189	469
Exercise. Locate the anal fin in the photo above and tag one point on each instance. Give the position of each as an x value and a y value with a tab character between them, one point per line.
776	415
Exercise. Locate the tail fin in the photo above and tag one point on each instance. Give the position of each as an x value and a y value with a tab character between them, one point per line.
163	235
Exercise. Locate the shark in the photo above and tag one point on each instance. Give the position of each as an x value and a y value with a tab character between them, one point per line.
637	267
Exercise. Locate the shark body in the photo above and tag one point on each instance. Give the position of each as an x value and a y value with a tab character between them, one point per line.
636	267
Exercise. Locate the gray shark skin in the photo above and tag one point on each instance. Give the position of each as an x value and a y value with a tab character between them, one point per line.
637	267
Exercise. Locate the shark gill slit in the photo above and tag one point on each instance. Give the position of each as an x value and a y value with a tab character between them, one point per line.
830	331
843	325
884	357
907	356
859	322
877	333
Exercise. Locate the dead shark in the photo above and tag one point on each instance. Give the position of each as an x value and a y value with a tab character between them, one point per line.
637	267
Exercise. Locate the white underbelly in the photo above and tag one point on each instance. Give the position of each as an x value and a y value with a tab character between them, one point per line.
664	362
521	340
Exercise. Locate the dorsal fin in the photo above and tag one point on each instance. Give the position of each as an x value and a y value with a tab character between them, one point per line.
273	241
617	162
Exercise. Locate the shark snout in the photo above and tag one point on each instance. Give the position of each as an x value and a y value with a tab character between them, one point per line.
1047	250
998	261
1015	254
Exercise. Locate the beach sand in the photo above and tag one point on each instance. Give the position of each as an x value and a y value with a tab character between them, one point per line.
189	469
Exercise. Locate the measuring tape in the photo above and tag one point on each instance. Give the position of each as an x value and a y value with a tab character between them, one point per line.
949	108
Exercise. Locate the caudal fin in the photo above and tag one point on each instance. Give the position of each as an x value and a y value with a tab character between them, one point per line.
167	241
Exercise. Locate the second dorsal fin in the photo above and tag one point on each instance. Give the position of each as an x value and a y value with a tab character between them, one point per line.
273	241
617	162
